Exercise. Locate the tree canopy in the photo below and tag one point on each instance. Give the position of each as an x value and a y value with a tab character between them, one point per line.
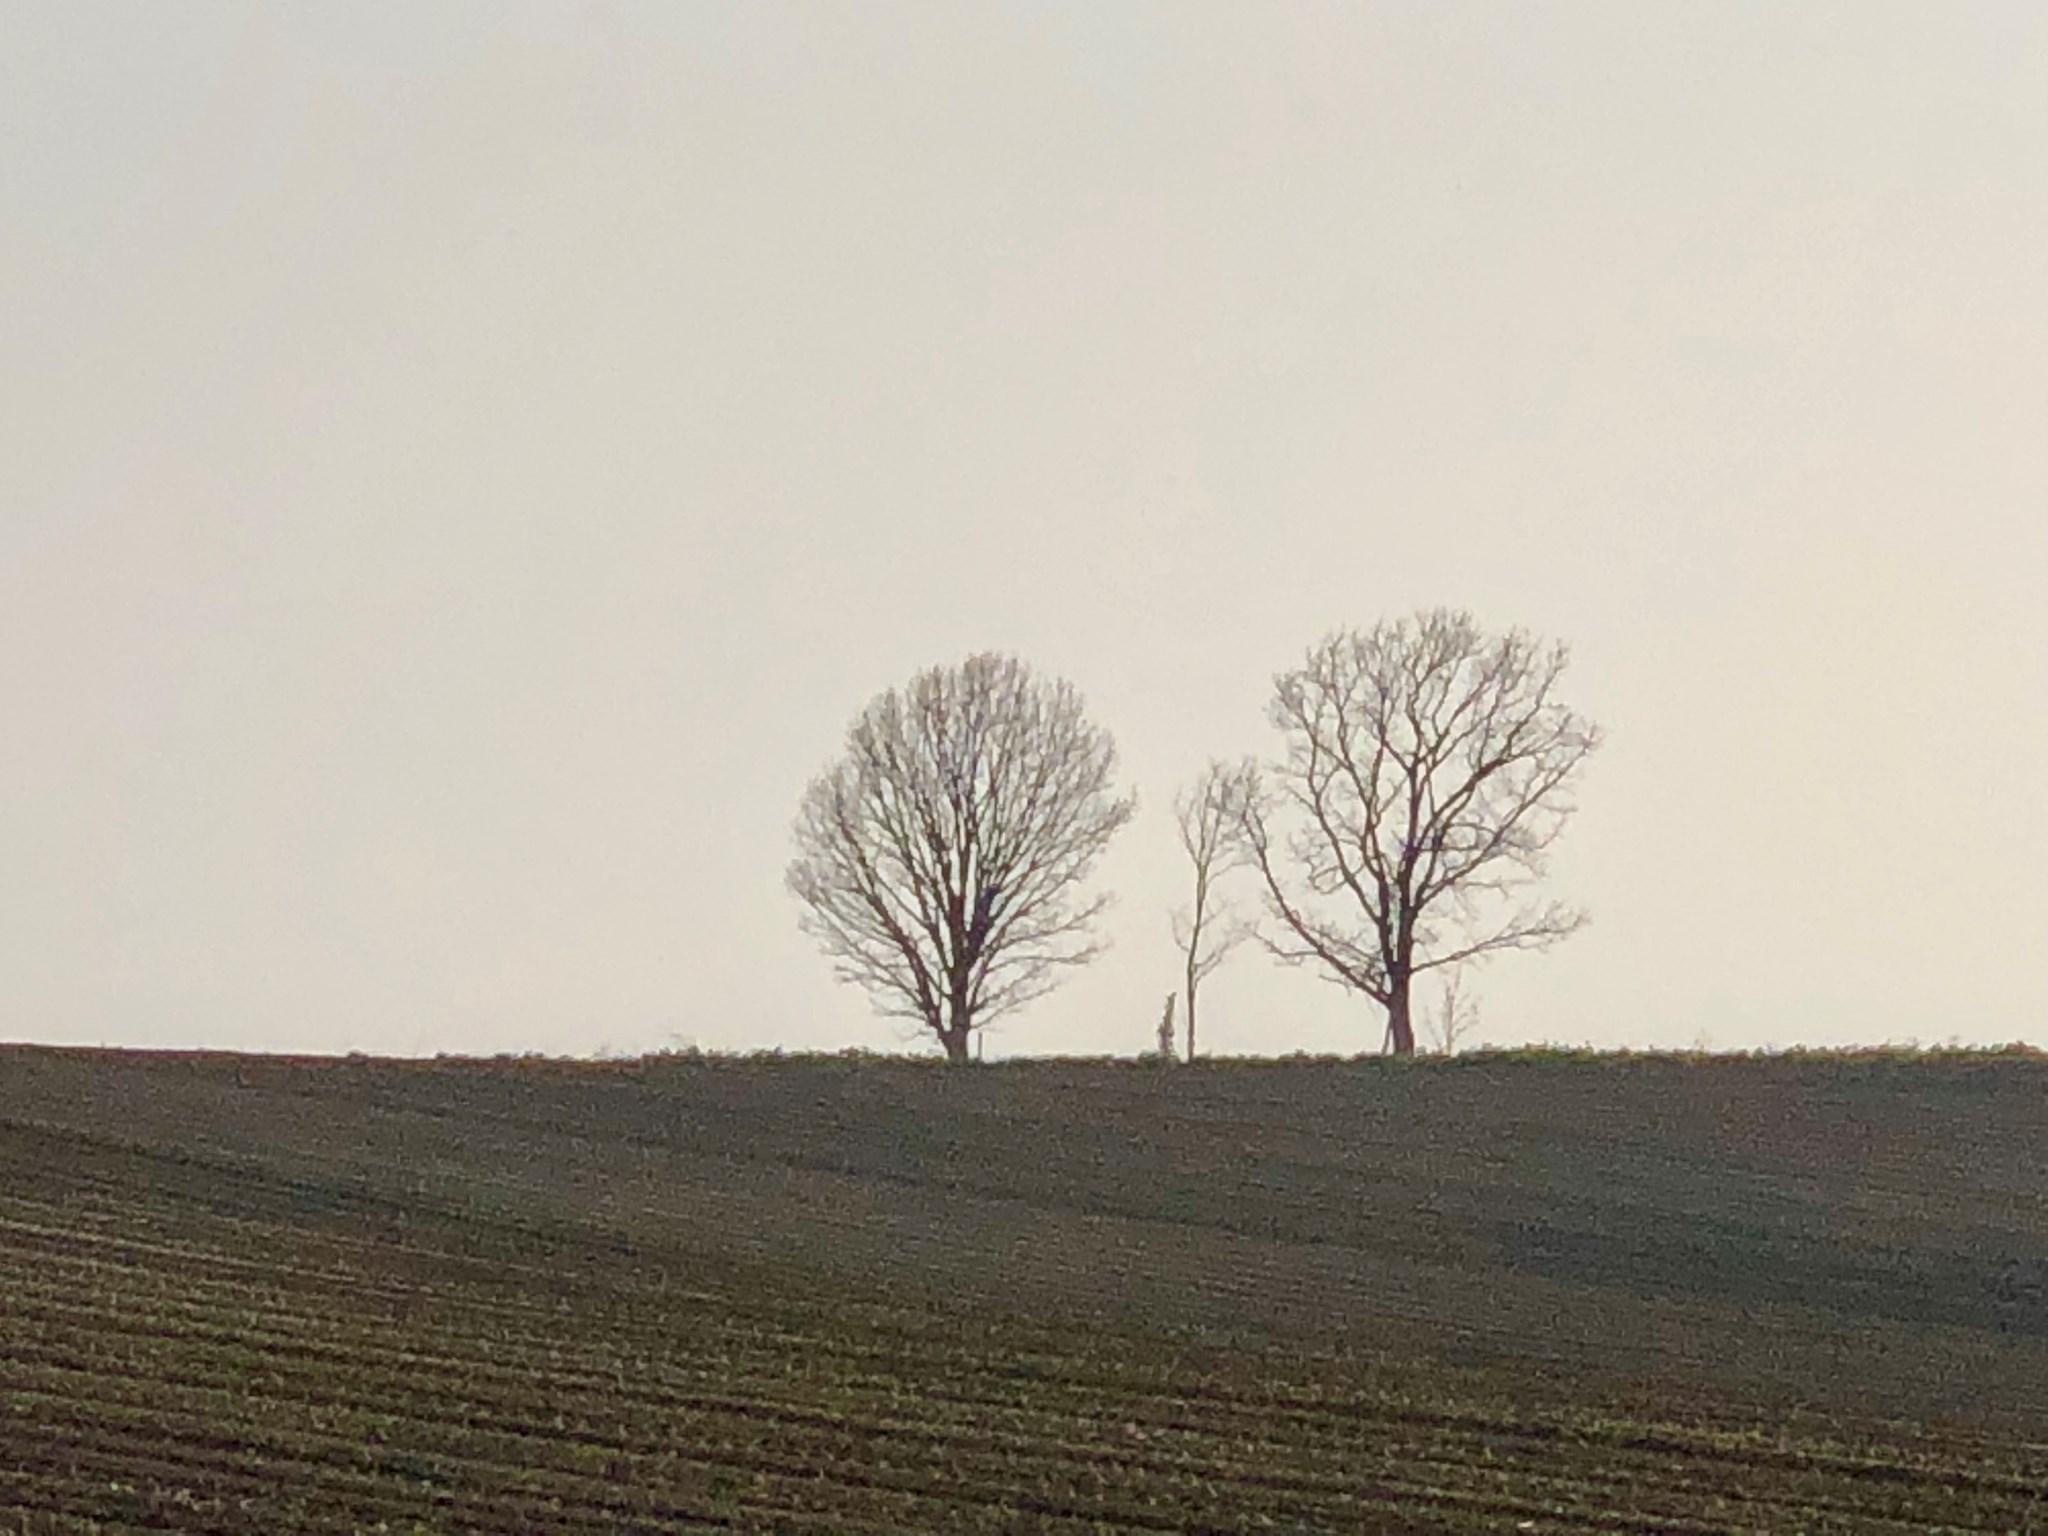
942	860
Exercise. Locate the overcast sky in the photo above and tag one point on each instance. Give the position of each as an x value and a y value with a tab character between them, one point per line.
462	466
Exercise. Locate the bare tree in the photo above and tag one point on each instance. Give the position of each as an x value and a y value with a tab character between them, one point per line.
1207	815
940	860
1429	768
1457	1013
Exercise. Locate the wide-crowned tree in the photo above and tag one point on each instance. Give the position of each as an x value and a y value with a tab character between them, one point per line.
942	861
1428	768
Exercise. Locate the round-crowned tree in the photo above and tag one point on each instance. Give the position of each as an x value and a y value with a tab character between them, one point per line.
942	862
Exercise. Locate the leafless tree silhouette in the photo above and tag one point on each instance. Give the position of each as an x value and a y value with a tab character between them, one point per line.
1206	930
1457	1013
1429	768
940	861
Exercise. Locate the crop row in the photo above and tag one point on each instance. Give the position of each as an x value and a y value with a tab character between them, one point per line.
1009	1463
171	1362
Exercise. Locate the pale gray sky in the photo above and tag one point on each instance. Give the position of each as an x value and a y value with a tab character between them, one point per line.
463	465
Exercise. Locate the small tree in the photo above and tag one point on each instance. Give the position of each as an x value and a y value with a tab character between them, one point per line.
940	861
1428	770
1205	931
1457	1014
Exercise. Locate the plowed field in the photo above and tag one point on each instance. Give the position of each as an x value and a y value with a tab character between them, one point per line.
1502	1294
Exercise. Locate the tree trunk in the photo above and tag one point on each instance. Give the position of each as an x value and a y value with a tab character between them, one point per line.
1192	983
956	1034
1400	1025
